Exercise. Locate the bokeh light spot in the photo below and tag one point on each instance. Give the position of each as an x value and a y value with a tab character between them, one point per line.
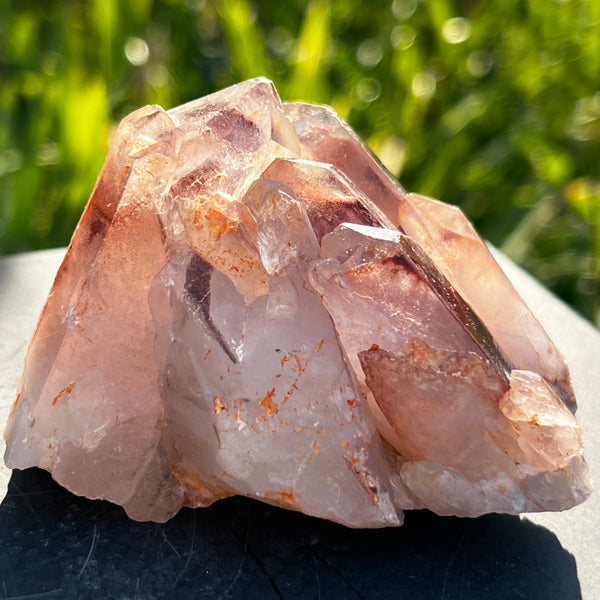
280	41
158	76
404	9
369	53
456	30
10	160
423	85
368	89
403	37
137	51
393	154
480	63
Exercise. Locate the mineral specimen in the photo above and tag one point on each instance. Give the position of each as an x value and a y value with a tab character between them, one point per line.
251	305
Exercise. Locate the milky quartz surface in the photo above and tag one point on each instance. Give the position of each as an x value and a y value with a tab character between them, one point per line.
251	305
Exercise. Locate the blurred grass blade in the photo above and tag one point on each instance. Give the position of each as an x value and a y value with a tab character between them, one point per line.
85	127
245	40
308	81
583	195
104	14
519	243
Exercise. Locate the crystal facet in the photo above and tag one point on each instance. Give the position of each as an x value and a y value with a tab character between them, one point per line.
251	305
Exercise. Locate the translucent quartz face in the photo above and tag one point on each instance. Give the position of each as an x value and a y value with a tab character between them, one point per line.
251	305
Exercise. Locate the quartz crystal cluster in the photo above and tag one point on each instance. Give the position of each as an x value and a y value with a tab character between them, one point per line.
251	305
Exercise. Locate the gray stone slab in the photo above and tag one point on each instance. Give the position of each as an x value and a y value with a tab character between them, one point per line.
55	545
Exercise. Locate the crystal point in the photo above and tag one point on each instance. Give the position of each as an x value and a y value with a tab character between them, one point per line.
251	305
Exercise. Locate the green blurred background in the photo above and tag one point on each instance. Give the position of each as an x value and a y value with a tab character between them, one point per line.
494	106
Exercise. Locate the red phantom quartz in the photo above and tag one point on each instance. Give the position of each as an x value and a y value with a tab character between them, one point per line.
252	305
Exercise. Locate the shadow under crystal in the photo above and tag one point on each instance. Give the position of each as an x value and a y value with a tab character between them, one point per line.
57	545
